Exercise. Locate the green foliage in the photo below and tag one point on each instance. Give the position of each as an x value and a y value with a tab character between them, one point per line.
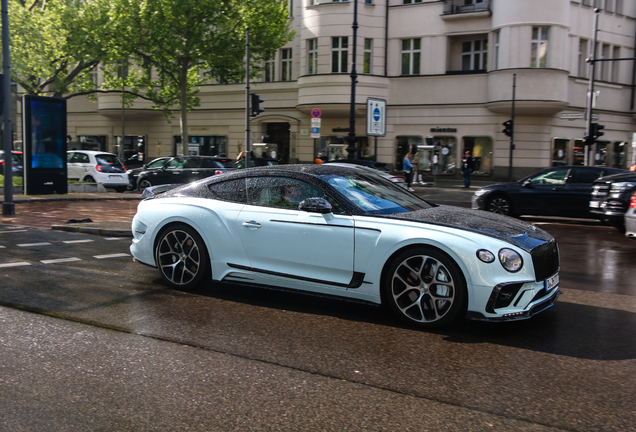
17	180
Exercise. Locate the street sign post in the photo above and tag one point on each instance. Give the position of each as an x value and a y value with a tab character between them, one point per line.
376	117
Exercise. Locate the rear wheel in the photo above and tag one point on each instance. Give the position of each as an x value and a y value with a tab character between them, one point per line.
425	288
89	179
181	256
499	204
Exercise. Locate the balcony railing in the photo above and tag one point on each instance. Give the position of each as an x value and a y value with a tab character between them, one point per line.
465	6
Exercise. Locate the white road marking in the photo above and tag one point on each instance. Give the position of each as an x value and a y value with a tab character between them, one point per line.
2	247
119	255
78	241
116	238
59	260
34	244
12	231
15	264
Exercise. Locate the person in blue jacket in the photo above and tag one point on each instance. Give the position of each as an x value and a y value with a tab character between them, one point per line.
407	167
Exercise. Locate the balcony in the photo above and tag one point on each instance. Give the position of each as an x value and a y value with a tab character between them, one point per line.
473	7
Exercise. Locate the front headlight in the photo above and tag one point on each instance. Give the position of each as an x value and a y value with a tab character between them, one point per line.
480	192
510	260
622	186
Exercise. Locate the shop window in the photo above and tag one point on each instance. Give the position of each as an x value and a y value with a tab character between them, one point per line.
600	153
560	152
578	152
334	147
406	144
446	154
481	150
618	154
207	145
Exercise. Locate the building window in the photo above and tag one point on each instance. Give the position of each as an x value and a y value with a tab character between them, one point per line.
286	64
582	63
586	2
539	51
616	54
475	55
481	149
122	69
339	54
598	3
368	47
411	56
312	2
412	1
312	56
270	61
497	48
619	7
605	66
608	6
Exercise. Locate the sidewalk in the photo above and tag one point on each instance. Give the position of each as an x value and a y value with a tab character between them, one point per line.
110	213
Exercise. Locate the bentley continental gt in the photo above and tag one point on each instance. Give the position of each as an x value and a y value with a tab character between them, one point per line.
340	231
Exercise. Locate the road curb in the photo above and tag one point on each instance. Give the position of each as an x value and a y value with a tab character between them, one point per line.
95	230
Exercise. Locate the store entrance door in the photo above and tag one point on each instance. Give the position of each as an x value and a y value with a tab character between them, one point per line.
278	133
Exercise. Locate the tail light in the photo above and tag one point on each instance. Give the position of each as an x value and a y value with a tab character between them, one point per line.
218	172
632	202
124	168
98	168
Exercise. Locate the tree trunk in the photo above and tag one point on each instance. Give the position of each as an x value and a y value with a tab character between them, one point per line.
184	108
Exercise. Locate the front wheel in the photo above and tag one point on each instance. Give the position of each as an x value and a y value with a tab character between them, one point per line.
143	184
425	288
499	204
181	256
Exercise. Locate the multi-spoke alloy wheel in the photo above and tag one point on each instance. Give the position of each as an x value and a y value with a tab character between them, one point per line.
425	288
501	205
181	256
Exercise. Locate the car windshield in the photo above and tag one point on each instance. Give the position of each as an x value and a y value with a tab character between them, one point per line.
375	195
156	163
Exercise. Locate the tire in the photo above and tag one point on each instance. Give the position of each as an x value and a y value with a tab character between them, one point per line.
89	179
143	184
499	204
425	288
181	257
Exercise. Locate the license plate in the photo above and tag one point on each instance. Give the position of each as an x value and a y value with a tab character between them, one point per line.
114	177
595	204
552	282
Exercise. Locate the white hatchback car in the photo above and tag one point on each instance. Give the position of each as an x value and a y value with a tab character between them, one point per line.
97	167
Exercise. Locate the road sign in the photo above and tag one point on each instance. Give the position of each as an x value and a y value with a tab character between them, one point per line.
315	132
376	117
315	122
316	113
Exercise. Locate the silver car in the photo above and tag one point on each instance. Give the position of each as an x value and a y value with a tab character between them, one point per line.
630	218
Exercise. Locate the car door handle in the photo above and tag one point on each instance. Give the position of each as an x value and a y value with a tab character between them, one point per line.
252	225
195	172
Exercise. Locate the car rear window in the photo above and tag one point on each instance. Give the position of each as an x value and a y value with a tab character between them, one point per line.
107	159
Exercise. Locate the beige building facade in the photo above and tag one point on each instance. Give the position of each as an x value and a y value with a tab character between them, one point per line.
445	69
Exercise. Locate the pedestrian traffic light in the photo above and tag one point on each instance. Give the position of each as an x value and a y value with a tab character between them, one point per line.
596	131
255	108
507	128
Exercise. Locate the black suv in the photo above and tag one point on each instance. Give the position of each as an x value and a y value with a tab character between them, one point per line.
610	197
182	169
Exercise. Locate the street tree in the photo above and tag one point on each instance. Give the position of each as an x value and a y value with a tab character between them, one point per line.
179	44
56	45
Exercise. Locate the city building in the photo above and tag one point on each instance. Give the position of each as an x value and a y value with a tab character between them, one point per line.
445	70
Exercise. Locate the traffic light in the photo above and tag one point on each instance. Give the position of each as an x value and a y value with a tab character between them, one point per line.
596	131
507	128
255	108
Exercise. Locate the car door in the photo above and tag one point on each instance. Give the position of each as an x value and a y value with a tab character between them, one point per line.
304	249
542	193
578	191
172	172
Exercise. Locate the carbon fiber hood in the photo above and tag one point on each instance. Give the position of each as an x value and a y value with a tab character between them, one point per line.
516	232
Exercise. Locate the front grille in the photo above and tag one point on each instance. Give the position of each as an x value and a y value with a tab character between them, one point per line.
600	191
545	260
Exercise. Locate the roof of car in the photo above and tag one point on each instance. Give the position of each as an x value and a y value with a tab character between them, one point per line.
94	152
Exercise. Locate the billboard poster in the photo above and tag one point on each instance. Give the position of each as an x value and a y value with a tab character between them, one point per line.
45	145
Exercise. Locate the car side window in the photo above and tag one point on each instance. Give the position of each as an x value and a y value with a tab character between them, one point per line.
283	192
553	177
175	164
232	190
79	158
585	175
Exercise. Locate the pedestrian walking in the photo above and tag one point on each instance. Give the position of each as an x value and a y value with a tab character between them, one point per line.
468	165
407	167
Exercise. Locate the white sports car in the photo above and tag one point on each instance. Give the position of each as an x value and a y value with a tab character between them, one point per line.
332	230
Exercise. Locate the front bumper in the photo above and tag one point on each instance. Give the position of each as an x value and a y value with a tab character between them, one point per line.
535	307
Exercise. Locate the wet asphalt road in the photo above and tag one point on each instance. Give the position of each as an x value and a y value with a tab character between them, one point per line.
100	343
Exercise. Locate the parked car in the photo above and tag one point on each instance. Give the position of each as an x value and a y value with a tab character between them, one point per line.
184	169
611	196
333	230
97	167
558	191
630	217
380	166
399	180
133	174
17	167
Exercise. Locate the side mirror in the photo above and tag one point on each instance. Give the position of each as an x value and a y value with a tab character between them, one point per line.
315	205
527	183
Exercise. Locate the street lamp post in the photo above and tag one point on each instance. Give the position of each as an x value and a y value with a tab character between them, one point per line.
8	206
351	139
